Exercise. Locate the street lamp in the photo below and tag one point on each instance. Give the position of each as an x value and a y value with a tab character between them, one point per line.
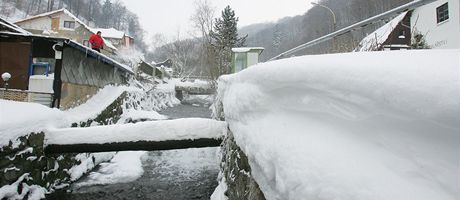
330	10
6	76
335	21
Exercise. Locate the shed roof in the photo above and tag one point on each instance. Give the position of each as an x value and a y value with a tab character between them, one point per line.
96	55
111	33
10	27
247	49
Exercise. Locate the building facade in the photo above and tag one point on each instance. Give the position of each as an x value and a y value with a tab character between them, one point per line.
439	23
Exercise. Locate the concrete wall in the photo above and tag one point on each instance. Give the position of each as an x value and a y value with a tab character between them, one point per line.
445	35
73	95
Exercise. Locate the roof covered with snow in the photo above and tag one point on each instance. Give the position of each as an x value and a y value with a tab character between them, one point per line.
10	27
373	41
68	13
111	33
247	49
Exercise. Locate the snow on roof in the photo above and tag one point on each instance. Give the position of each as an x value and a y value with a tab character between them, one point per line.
13	27
111	33
246	49
367	125
67	12
373	41
104	57
41	15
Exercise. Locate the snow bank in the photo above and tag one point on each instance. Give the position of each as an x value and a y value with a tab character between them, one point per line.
19	118
33	192
124	167
97	103
179	129
373	125
134	115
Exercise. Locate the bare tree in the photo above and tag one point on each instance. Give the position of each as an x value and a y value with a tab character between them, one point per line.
202	20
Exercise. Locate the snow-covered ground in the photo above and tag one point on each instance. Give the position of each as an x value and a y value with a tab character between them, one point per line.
124	167
18	119
374	125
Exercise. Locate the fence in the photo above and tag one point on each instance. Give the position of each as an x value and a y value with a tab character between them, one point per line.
27	96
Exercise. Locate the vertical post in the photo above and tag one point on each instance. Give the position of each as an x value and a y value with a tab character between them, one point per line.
57	83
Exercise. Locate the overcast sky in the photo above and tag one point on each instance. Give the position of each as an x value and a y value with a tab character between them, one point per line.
169	16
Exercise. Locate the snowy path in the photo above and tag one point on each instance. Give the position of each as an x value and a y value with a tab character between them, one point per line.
177	174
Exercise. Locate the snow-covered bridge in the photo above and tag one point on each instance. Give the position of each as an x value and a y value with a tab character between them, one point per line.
154	135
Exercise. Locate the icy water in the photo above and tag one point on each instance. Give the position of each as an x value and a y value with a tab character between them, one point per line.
175	174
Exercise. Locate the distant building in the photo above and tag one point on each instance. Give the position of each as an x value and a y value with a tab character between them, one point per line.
394	35
63	23
439	23
245	57
118	38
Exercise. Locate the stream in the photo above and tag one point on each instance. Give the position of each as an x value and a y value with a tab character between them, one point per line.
175	174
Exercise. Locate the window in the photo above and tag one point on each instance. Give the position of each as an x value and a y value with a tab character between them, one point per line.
85	43
442	12
69	24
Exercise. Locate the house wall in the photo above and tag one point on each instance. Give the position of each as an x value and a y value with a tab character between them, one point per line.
253	58
44	23
402	29
78	68
439	36
73	95
82	75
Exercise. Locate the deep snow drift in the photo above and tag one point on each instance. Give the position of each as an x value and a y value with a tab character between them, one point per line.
375	125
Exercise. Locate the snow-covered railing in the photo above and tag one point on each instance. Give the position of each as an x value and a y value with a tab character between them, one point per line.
391	13
154	135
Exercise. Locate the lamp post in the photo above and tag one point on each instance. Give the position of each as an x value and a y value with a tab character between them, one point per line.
6	76
330	10
333	17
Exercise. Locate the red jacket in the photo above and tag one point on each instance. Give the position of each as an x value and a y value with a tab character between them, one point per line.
96	42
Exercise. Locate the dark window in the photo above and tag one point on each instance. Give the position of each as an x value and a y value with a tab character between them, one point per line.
69	24
442	12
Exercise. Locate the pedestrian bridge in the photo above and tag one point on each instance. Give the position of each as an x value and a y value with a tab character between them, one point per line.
146	136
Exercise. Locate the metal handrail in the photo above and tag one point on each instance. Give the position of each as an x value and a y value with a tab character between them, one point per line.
385	15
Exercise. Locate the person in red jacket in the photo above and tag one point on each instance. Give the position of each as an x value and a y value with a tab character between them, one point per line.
96	41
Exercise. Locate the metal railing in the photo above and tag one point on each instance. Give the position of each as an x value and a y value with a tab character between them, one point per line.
382	16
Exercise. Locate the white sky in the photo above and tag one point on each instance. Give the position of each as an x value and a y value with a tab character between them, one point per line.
170	16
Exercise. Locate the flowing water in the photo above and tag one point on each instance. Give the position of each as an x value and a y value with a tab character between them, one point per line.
175	174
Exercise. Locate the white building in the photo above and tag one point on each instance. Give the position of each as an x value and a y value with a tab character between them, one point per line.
439	22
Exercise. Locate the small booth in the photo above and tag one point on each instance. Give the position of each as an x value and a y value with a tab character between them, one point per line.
244	57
